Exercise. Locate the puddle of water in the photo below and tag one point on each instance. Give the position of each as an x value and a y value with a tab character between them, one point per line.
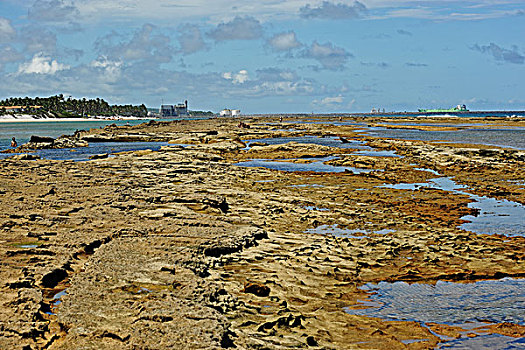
56	301
440	183
263	181
318	166
58	296
27	246
495	216
307	185
391	154
384	231
411	341
315	208
484	342
428	170
83	153
331	141
450	303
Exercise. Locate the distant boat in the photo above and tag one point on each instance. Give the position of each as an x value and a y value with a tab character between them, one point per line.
458	108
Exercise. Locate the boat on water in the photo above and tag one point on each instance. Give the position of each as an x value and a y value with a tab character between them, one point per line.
458	108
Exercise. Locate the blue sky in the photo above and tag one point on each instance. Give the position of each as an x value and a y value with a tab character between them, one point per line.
268	56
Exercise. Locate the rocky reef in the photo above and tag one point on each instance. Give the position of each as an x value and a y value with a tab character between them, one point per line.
183	248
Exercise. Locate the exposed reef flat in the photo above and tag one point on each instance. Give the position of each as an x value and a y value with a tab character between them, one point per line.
181	248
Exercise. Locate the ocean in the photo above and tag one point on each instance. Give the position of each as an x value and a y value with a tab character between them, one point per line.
22	131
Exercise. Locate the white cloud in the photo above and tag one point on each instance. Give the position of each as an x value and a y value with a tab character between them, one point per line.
7	32
41	64
332	100
237	78
110	69
329	101
284	41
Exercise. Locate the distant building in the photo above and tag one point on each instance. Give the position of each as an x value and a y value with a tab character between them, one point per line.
170	111
230	112
20	109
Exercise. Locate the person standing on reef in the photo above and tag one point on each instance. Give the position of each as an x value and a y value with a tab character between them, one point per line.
13	143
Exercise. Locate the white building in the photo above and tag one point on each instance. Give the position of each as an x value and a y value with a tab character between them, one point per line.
230	113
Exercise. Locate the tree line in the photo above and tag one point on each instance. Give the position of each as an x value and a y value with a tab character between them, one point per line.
62	107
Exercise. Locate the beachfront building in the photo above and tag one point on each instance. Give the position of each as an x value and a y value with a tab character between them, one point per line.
171	111
19	109
230	113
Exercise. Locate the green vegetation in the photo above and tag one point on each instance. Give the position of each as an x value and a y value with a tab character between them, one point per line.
60	107
201	113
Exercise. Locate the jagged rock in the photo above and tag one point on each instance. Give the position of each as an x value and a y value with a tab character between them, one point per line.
25	156
256	289
99	156
41	139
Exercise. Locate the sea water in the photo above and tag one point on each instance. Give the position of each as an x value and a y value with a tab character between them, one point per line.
513	138
23	131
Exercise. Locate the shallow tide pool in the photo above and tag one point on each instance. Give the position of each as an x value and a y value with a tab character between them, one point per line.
318	166
466	305
495	216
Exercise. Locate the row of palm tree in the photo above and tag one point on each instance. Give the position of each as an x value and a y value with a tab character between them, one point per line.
71	107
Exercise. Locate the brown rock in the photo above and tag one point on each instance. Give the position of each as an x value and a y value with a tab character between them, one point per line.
257	289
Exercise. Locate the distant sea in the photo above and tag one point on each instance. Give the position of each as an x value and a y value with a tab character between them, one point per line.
513	137
480	114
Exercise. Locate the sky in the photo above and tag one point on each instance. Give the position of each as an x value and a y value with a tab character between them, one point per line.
268	56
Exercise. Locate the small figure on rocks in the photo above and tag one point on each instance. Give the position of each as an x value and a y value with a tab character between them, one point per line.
14	143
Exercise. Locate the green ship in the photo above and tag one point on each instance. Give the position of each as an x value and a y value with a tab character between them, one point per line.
458	108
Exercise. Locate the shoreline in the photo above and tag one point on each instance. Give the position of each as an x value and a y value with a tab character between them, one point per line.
37	120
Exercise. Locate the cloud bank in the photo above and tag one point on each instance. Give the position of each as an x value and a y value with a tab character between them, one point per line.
501	54
330	56
329	10
240	28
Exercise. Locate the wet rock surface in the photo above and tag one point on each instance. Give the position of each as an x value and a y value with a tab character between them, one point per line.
180	248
